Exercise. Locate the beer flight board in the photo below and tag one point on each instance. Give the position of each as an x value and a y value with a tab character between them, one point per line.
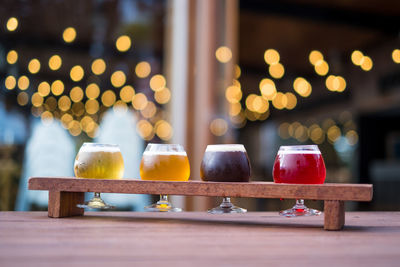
66	192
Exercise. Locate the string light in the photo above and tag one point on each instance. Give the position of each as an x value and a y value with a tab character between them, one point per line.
396	55
145	129
367	63
108	98
149	111
57	87
23	82
123	43
302	87
139	101
69	35
92	106
12	57
267	88
44	89
77	73
233	94
143	69
98	66
92	91
76	94
157	82
118	78
126	94
22	98
223	54
238	72
271	56
37	100
10	82
357	57
12	24
34	66
64	103
218	127
55	62
315	56
276	70
163	96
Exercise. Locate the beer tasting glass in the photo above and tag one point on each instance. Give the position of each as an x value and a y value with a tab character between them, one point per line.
98	161
299	165
225	163
164	162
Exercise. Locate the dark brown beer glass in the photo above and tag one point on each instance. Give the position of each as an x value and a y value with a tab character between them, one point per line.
225	163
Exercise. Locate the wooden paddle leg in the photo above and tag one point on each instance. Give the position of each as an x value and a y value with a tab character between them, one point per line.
334	215
63	204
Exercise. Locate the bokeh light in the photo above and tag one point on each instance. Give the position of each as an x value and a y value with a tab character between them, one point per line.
12	57
333	133
238	72
12	24
302	87
396	55
126	94
57	87
118	78
267	88
76	94
218	127
283	130
223	54
143	69
69	35
23	82
108	98
157	82
149	111
98	66
367	63
291	100
280	100
44	89
64	103
163	96
351	137
357	57
276	70
271	56
233	94
77	73
92	106
92	91
315	56
34	66
22	98
37	100
139	101
321	68
10	82
51	103
47	118
55	62
145	129
123	43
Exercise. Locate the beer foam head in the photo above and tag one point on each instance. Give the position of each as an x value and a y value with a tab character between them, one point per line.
97	147
168	153
307	149
226	148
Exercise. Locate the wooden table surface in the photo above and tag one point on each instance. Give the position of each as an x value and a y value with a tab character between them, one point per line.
197	239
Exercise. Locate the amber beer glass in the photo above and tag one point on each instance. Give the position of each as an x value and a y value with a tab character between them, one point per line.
98	161
164	162
299	165
225	163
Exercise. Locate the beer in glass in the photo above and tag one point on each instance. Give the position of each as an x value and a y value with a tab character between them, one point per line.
225	163
164	162
299	165
98	161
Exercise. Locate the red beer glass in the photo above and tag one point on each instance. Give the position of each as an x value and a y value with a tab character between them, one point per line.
299	165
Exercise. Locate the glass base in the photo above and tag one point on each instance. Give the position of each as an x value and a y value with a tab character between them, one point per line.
299	210
95	203
226	207
162	206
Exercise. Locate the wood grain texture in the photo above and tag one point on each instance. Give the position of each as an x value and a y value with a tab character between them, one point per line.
63	204
197	239
334	216
345	192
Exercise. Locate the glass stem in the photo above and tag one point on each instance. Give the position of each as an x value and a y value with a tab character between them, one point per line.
96	194
163	199
299	204
226	203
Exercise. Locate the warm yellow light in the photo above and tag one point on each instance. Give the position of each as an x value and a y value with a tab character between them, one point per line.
126	94
239	120
98	66
57	87
34	66
74	128
123	43
260	105
302	87
352	137
301	133
249	102
23	82
118	78
64	103
292	128
321	68
55	62
10	82
50	103
47	118
76	73
12	57
78	109
163	130
279	101
66	119
250	115
357	57
108	98
149	111
291	100
157	82
92	106
37	100
223	54
145	129
276	71
92	91
271	56
283	130
143	69
69	35
233	94
234	109
315	56
316	134
22	98
367	63
333	133
12	24
267	89
342	84
238	72
139	101
120	107
87	123
76	94
396	55
44	89
163	96
218	127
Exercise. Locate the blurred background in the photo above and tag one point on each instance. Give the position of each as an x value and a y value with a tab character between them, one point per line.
199	72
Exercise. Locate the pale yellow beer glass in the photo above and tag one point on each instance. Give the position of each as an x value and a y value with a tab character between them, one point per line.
164	162
98	161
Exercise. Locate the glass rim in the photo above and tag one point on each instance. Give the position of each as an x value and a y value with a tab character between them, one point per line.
299	148
226	147
99	144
